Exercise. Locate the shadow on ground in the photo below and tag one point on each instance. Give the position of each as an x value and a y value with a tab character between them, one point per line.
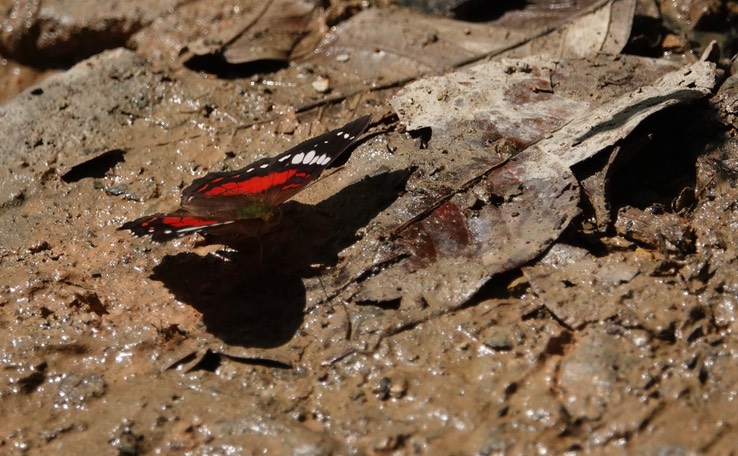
252	295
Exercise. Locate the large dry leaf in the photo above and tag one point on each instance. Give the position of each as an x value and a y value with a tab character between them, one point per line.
511	212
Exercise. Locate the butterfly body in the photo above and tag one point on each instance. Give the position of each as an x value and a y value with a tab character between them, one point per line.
251	193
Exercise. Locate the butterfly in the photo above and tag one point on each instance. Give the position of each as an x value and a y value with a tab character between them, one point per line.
251	193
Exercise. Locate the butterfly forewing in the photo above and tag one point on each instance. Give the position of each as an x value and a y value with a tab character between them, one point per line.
270	181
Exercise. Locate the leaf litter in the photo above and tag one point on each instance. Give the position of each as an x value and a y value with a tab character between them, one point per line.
491	264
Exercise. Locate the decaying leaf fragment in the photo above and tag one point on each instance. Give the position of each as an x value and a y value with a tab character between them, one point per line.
385	46
603	28
270	32
565	271
408	44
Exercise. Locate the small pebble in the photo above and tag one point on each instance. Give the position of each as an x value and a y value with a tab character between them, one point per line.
322	85
398	389
499	341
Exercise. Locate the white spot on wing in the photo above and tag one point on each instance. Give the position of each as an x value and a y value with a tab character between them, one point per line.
339	133
309	156
265	165
315	159
285	158
325	160
325	142
297	158
249	170
197	228
346	136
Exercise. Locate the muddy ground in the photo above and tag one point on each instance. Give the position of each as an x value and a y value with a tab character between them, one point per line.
531	251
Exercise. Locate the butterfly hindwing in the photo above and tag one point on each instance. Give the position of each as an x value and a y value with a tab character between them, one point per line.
164	227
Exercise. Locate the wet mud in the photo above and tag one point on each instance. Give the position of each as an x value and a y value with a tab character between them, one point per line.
524	253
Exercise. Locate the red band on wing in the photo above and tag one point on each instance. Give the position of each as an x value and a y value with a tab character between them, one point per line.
182	222
255	184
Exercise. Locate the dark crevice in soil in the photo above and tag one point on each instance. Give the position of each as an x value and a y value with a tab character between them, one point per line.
498	287
393	304
78	45
659	173
95	167
264	362
217	65
465	10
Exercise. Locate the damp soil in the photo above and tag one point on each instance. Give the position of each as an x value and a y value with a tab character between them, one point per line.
617	337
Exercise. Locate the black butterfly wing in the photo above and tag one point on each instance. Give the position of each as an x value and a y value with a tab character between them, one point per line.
251	192
164	227
256	189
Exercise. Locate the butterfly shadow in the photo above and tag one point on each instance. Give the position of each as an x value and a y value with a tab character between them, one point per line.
252	294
